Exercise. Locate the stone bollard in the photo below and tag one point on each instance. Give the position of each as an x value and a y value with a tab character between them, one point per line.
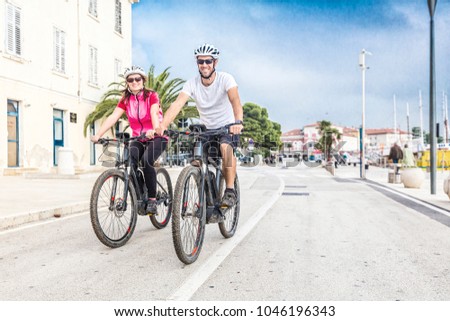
65	161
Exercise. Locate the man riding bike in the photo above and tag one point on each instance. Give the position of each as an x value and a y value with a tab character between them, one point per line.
218	103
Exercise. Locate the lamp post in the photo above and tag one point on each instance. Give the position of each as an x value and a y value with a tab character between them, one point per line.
432	8
362	65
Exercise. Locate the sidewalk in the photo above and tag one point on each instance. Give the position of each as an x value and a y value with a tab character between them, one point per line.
380	176
35	197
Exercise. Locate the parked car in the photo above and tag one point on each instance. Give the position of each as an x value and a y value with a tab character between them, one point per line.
178	159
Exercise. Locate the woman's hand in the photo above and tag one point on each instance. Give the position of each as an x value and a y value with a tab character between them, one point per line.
95	138
150	133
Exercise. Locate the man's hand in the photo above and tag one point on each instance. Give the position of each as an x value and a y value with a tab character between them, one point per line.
160	130
236	129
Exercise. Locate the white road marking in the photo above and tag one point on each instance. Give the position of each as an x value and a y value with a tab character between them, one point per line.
26	226
196	279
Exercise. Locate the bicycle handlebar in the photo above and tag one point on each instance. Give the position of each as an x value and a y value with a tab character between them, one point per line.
106	141
209	132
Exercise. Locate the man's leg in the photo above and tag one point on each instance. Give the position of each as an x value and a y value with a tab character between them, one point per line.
229	173
228	164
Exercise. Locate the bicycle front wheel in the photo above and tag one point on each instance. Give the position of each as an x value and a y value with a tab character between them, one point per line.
164	198
189	216
231	216
113	218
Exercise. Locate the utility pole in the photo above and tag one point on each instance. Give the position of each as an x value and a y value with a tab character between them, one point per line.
433	165
362	65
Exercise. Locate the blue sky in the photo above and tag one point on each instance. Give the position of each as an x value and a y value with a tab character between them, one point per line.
299	59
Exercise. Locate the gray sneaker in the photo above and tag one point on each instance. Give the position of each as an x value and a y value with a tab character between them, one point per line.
152	207
229	198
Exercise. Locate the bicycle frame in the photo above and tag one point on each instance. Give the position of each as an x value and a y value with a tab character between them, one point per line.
210	184
124	162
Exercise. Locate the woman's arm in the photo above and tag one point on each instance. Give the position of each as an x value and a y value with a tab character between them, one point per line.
108	123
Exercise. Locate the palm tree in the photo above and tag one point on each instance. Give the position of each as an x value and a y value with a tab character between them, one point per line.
167	91
329	135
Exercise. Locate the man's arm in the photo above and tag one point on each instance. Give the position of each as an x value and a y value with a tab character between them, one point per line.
172	112
233	96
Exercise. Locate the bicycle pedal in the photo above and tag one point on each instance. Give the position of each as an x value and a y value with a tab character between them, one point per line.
215	218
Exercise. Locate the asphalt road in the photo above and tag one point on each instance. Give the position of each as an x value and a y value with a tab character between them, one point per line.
303	235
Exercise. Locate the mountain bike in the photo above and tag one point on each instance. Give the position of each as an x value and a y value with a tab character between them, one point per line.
120	194
198	193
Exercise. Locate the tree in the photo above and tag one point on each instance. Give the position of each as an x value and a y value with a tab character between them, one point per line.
167	91
416	132
329	135
265	133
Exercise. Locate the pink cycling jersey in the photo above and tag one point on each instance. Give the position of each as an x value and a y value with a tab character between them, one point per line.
138	112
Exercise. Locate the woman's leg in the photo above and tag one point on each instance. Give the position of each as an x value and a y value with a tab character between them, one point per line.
154	149
136	151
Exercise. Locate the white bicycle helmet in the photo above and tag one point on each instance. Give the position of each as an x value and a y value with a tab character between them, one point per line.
207	50
134	70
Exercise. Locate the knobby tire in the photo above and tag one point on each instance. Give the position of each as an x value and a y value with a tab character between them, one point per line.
165	208
189	216
111	224
229	225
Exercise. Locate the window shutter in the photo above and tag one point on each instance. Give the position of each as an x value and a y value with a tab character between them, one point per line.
93	77
13	32
95	67
17	39
59	43
118	24
10	28
93	7
117	69
63	51
56	44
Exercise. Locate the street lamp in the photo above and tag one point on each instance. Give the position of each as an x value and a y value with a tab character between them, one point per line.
362	64
432	8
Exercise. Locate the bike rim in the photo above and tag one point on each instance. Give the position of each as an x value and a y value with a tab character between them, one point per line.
190	220
115	220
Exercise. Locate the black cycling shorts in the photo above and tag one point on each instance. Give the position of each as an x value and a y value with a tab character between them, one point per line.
212	147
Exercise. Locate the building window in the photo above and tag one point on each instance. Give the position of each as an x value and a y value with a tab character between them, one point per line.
117	69
118	22
93	75
13	32
93	8
59	44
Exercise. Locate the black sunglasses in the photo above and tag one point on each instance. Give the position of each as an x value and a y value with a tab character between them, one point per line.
202	61
131	79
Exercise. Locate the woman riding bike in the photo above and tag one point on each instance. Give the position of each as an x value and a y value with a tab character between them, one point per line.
141	106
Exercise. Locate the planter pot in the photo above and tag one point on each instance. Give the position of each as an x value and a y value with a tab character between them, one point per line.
447	186
412	177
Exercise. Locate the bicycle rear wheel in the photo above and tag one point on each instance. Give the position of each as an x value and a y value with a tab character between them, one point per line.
164	198
189	216
113	219
231	216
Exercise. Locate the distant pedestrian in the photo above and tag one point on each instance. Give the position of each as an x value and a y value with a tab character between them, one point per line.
395	155
408	157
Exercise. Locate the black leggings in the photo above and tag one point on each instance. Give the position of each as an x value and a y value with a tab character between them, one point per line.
149	152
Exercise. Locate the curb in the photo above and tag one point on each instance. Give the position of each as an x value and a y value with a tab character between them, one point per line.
29	217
